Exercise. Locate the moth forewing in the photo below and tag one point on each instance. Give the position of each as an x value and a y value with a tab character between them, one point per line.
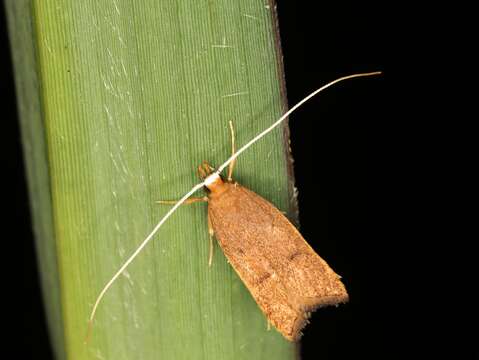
283	273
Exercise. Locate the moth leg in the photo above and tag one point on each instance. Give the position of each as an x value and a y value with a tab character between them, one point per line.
191	200
233	150
211	233
268	327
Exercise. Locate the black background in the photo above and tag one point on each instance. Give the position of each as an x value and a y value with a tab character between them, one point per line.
340	168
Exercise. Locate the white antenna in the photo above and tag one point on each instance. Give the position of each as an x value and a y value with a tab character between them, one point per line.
205	181
287	113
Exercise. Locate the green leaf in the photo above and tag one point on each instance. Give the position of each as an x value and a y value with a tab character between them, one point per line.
119	102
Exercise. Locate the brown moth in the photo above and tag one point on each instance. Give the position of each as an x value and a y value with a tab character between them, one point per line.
284	275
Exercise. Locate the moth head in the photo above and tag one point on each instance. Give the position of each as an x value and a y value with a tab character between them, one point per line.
211	178
204	170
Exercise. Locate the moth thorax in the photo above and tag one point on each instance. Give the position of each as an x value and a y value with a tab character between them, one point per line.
213	181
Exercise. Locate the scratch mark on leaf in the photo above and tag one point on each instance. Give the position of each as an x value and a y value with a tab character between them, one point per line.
126	274
47	45
130	111
121	251
121	40
116	7
99	355
113	67
108	85
115	164
251	17
223	46
124	69
110	118
235	94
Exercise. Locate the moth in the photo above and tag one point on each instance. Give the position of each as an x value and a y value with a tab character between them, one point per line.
284	275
